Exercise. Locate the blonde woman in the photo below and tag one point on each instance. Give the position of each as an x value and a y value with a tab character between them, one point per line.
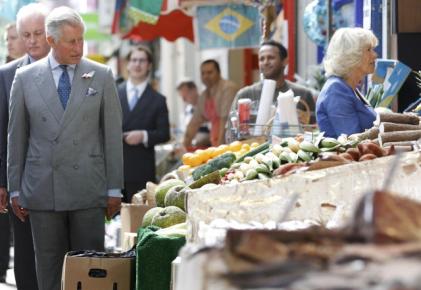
340	107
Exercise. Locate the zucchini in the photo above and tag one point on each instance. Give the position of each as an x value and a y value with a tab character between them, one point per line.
213	177
223	161
201	171
223	171
258	149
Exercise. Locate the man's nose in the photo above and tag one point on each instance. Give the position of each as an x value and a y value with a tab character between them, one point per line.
32	38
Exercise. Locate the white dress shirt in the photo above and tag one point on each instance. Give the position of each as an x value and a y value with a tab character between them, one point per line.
130	92
57	71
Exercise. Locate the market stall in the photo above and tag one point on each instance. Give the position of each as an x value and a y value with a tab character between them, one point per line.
327	195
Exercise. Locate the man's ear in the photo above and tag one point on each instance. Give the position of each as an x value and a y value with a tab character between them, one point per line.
50	41
285	62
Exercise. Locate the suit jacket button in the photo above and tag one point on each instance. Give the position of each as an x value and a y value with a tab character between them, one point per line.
76	166
75	142
44	119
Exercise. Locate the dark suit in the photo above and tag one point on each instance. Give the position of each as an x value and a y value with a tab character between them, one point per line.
24	261
151	114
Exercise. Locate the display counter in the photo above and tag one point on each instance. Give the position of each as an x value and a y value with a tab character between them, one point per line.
326	195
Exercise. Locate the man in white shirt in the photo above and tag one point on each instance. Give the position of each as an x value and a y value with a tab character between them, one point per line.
145	122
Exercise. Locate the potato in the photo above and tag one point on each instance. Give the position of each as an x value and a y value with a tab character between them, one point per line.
354	152
368	156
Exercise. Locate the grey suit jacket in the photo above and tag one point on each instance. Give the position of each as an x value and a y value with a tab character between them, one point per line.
64	160
7	73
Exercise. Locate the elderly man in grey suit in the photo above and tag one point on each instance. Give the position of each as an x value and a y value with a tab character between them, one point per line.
65	162
30	22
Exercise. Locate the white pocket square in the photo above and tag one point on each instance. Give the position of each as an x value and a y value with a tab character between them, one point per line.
91	92
88	75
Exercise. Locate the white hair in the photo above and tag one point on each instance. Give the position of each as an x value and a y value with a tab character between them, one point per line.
29	11
59	17
346	49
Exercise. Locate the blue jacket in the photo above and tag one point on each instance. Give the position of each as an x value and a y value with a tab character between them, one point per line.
339	110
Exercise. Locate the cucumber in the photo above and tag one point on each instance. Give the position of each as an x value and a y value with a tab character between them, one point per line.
262	147
223	171
213	177
223	161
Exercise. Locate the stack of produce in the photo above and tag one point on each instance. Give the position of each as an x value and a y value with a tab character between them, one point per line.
291	154
294	155
394	129
200	156
170	210
238	162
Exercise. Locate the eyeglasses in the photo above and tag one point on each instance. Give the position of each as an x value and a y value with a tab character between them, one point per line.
140	60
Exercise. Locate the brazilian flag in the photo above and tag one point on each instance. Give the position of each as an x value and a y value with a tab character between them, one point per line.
228	26
145	10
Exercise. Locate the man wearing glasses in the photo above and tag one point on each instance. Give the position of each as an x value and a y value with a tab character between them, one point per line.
145	122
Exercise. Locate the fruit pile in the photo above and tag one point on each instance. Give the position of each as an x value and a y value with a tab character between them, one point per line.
291	154
239	162
201	156
170	210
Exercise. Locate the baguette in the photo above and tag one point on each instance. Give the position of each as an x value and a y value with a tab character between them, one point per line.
390	127
398	118
370	134
399	143
399	148
397	136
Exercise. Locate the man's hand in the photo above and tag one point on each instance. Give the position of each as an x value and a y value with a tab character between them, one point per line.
3	200
19	211
113	206
134	137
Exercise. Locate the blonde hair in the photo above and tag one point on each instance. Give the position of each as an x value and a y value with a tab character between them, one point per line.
346	49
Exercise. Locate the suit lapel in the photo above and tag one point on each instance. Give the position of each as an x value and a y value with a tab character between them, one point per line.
24	61
78	93
144	99
48	91
123	101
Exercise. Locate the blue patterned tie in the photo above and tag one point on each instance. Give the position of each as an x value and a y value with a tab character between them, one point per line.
64	87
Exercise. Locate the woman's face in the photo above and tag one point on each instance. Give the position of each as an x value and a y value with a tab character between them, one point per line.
368	60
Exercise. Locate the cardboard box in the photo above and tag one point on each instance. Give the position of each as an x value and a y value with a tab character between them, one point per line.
175	266
129	240
131	219
98	273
